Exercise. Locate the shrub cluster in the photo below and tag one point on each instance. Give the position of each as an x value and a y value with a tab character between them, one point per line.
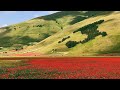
64	39
71	44
38	25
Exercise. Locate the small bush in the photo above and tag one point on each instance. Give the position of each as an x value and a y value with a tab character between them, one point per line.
104	34
62	28
71	44
59	41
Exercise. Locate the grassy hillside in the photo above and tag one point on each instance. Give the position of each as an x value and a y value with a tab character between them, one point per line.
53	34
35	30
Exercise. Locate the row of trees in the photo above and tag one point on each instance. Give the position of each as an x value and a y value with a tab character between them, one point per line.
15	28
38	25
64	39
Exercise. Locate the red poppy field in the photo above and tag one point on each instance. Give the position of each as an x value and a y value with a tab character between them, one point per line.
64	68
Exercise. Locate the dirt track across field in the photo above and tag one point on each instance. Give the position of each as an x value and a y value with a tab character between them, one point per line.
58	58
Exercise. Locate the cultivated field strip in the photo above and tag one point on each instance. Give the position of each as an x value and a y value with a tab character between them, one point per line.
50	58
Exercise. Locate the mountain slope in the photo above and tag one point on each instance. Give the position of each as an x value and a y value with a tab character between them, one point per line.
34	30
54	32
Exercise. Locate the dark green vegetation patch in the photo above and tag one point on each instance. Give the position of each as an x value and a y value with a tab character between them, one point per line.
90	30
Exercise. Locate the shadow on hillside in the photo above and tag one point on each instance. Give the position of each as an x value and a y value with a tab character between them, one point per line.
26	40
74	13
77	19
98	13
5	41
88	15
109	20
5	32
59	15
79	16
10	41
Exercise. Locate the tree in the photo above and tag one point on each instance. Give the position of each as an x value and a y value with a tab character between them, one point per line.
59	41
104	34
71	44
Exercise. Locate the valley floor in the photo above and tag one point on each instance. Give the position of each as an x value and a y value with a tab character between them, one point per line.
61	68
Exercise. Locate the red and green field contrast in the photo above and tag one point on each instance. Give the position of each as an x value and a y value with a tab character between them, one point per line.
62	45
61	68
